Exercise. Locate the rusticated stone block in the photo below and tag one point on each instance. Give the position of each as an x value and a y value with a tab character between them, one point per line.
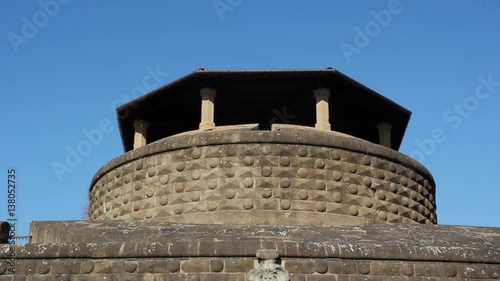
407	269
343	277
193	277
176	276
120	249
430	269
108	266
236	277
297	277
65	267
493	271
221	248
26	267
321	266
206	248
173	266
471	271
152	266
363	268
87	266
369	277
321	278
299	266
289	163
80	250
348	267
387	268
41	277
6	264
195	265
342	267
236	247
216	265
43	266
140	277
180	248
130	266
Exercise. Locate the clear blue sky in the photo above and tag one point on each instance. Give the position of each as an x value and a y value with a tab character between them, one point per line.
66	66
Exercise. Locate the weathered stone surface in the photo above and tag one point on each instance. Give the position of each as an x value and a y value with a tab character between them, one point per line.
238	265
235	203
291	173
267	254
195	265
156	266
62	267
376	251
108	266
300	266
390	241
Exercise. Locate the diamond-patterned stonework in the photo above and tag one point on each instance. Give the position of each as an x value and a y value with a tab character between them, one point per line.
285	180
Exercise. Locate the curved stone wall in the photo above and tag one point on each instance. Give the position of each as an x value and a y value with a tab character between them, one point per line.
287	177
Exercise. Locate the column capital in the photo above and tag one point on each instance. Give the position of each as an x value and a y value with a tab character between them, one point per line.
207	93
322	93
384	126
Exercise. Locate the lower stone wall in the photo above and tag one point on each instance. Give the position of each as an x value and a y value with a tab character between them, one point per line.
145	250
236	269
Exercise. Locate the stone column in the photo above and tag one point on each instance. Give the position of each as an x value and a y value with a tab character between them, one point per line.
384	134
141	129
322	111
207	108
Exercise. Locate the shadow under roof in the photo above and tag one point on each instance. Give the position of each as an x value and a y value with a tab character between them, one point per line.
175	107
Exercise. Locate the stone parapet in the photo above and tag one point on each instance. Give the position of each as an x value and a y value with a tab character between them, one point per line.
123	250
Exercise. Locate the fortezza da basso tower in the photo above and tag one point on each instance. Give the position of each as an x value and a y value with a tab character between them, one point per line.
259	175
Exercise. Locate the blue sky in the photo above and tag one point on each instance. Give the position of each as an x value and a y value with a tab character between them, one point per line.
66	64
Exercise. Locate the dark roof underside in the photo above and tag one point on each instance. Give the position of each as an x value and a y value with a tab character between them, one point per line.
256	96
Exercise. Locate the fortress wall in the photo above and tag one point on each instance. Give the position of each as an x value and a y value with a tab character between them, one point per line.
291	177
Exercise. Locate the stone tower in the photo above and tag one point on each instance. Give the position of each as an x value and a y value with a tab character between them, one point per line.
259	175
308	147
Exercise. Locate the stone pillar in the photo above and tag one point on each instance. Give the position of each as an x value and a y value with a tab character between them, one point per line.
322	111
141	129
384	134
207	108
